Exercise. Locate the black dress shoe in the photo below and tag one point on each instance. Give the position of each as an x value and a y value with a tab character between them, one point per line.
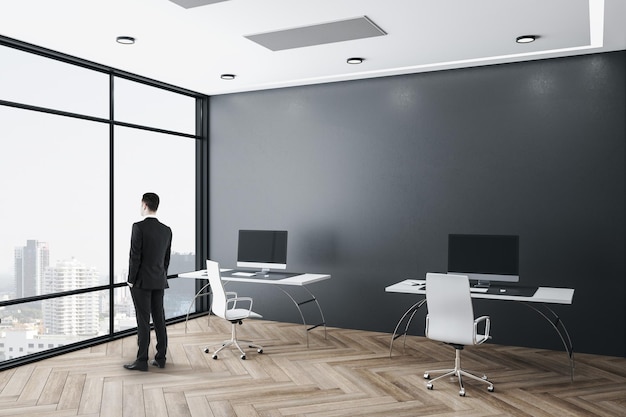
158	363
137	366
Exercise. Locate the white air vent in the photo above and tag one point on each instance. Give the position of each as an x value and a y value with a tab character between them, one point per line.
343	30
188	4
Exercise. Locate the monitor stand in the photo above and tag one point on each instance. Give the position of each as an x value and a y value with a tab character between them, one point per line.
482	284
265	272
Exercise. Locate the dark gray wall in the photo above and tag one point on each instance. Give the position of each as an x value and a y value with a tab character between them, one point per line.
370	177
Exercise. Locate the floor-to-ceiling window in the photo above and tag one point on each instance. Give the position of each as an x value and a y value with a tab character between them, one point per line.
156	162
80	145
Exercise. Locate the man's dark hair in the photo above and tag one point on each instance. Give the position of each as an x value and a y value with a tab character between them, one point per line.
151	200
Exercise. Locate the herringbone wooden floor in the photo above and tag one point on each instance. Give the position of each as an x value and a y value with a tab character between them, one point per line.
348	374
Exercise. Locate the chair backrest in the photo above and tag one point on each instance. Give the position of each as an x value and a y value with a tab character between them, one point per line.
450	312
218	305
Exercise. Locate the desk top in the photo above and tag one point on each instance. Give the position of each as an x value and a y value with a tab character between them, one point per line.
297	280
548	295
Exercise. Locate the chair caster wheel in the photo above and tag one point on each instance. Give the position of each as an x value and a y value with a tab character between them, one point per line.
206	350
243	357
426	375
260	350
490	388
429	386
462	393
214	356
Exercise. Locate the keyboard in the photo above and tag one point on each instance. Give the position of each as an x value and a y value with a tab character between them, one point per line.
243	274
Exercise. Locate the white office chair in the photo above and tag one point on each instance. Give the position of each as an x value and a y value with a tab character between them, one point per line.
450	319
225	305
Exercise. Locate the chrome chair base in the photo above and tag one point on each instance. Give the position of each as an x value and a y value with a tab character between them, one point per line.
459	373
235	342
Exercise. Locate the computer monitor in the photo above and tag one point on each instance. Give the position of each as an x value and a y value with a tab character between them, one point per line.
263	249
484	258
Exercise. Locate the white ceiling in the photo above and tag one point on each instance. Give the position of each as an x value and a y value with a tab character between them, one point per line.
192	47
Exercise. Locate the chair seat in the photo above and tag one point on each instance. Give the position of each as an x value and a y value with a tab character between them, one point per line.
241	313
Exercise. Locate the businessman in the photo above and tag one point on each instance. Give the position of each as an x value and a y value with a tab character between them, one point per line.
150	246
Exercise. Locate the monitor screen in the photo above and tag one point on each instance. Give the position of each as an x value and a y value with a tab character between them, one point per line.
484	258
264	249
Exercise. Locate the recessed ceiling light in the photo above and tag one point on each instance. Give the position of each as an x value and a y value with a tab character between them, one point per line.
125	40
355	60
227	76
526	38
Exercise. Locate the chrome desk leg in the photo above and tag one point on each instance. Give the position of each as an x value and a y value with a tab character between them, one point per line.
192	303
411	313
298	304
560	328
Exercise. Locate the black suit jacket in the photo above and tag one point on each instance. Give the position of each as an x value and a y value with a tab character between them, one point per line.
150	247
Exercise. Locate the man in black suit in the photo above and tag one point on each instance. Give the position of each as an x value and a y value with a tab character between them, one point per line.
150	246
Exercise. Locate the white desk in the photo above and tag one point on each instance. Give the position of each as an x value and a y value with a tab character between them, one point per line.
299	280
538	302
549	295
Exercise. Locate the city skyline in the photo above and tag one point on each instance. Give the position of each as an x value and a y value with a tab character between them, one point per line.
179	262
36	326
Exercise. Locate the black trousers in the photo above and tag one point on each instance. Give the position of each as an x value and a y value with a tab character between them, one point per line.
149	303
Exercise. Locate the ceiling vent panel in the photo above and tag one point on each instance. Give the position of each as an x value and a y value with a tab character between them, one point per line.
188	4
339	31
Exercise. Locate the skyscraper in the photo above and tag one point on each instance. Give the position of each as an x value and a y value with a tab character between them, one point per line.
30	263
75	315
